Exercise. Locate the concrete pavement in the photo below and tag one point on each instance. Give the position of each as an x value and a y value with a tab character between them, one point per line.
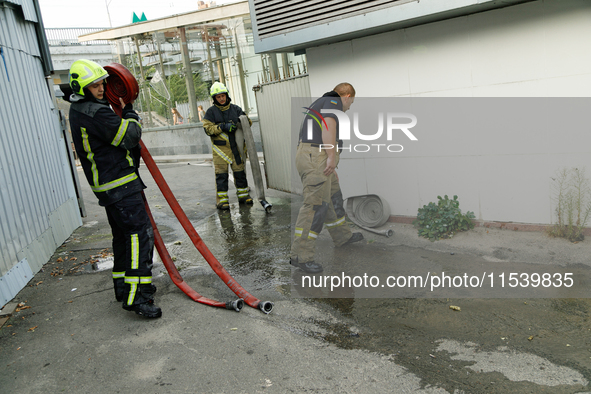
70	335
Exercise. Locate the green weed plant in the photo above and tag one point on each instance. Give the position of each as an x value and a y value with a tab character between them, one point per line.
443	220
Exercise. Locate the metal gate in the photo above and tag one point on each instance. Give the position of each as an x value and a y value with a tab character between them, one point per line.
274	103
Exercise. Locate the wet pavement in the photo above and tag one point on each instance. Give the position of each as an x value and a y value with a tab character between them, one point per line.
71	335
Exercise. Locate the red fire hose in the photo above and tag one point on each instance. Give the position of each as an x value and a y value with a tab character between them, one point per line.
249	299
176	277
121	83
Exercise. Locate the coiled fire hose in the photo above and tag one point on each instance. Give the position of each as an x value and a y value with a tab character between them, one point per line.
176	277
369	211
128	89
121	83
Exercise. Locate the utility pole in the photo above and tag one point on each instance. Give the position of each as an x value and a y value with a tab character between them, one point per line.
108	14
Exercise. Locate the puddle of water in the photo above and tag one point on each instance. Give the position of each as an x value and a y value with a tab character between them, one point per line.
254	247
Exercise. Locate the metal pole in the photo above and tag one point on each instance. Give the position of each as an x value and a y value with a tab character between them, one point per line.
241	73
206	37
146	96
168	102
193	117
220	62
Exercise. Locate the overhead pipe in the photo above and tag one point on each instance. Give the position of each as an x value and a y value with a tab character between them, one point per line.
176	277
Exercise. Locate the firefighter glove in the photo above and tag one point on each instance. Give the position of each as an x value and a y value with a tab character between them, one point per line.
228	127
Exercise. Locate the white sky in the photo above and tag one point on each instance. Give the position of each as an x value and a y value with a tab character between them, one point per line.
93	13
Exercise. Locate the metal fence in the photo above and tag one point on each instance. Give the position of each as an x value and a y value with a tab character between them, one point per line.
69	36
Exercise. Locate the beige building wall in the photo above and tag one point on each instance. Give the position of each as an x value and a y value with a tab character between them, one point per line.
537	49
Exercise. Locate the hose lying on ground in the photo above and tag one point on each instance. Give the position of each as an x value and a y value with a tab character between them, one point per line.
369	211
176	277
250	300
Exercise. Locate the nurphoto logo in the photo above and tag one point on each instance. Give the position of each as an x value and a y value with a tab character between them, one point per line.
394	123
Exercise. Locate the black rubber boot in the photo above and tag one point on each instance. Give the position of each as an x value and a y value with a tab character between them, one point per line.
144	302
147	309
309	267
355	237
119	286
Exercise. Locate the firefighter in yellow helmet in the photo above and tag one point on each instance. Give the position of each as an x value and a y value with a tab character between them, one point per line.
220	123
109	151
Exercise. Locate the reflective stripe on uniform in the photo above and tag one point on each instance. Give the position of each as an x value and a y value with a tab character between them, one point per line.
118	275
135	252
89	156
338	222
115	183
222	154
133	282
129	159
312	235
122	130
223	196
96	187
145	280
242	192
298	232
224	136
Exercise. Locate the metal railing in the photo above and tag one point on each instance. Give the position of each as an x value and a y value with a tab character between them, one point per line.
69	36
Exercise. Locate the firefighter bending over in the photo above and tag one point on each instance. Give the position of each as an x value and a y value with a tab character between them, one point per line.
323	200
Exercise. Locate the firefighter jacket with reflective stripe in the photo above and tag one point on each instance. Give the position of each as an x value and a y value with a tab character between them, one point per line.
107	146
223	144
314	119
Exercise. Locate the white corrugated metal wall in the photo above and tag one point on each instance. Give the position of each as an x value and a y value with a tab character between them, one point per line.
274	109
38	206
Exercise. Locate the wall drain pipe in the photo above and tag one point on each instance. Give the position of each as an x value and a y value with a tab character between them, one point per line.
250	300
176	277
369	211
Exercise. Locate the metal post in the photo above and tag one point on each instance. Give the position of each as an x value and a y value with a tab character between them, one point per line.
193	117
206	38
273	67
146	96
241	74
220	62
168	102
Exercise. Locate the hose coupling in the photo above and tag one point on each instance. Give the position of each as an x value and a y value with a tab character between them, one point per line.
267	206
236	305
266	306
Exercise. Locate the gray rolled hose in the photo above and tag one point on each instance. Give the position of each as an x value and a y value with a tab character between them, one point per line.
245	133
369	211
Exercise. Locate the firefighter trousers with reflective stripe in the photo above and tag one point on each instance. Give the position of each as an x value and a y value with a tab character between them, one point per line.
133	249
222	177
323	204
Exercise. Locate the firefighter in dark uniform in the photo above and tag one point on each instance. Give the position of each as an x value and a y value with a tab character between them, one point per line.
108	148
316	160
220	123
